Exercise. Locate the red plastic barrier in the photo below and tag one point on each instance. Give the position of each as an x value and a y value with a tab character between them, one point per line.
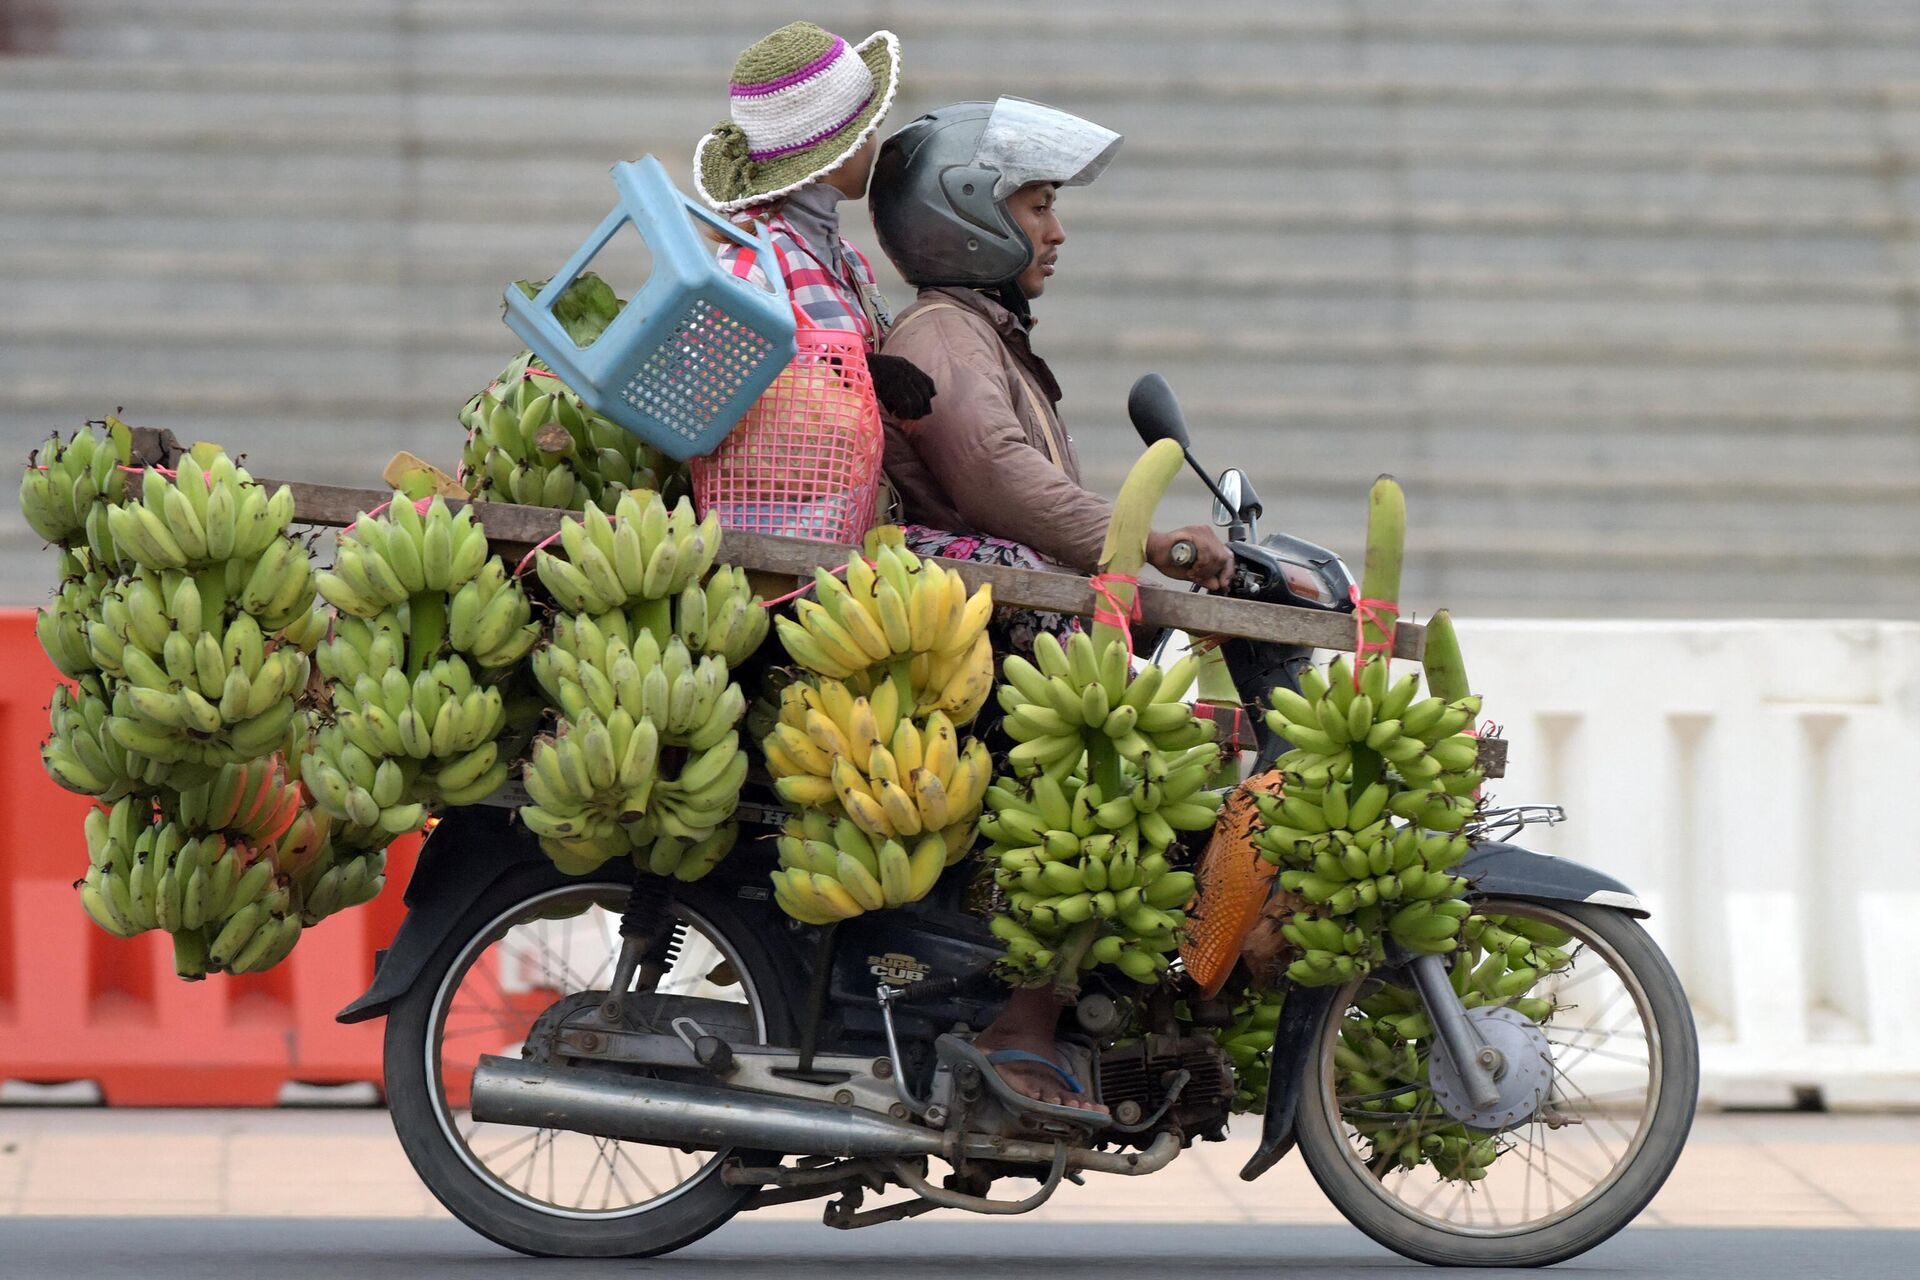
79	1004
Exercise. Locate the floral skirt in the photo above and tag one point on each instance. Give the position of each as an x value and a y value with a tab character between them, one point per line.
1012	628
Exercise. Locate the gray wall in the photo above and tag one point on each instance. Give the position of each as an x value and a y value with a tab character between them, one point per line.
1623	290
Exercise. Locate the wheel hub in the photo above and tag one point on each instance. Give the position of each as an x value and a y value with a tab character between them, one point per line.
1522	1061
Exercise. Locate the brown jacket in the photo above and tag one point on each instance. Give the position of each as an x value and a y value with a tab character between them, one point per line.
993	456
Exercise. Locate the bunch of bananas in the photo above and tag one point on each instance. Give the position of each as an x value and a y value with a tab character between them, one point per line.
1386	1042
831	868
637	551
900	617
532	441
646	758
62	627
211	515
185	619
1115	768
1422	743
223	867
599	789
1248	1041
429	626
85	755
69	484
1333	833
888	774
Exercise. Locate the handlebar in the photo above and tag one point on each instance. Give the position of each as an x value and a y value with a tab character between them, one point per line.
1183	553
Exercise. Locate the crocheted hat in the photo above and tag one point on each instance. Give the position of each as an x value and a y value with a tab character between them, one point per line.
803	100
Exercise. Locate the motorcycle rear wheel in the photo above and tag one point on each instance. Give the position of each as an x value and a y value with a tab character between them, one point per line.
1637	1131
539	1217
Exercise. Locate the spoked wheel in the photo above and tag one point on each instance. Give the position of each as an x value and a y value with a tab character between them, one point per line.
553	1192
1620	1080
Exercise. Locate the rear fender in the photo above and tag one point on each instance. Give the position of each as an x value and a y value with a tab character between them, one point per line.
470	850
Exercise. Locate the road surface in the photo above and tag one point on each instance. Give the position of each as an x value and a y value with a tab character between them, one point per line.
409	1249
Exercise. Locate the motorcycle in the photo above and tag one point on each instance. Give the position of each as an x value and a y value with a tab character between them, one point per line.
615	1065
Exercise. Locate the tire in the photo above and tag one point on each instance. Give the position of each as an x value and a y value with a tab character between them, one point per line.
1366	1202
423	1123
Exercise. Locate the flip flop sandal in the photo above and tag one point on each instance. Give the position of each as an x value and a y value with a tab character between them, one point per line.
954	1051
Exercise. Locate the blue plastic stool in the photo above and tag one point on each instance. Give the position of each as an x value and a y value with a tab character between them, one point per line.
695	345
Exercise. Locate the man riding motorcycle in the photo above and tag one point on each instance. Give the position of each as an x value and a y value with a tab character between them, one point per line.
963	201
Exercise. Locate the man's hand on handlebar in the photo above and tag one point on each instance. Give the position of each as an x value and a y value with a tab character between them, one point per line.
1192	554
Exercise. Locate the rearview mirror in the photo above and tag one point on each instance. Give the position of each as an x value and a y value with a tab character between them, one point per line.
1232	487
1155	413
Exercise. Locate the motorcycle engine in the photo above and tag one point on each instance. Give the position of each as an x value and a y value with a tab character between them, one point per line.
1137	1078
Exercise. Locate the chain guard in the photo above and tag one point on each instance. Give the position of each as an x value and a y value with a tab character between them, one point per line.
642	1011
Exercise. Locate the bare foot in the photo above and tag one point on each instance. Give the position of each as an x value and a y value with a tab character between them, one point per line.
1030	1079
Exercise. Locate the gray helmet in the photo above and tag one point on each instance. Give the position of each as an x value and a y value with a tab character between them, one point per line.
940	186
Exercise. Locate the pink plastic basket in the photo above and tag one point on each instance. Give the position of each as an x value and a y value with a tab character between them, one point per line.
805	460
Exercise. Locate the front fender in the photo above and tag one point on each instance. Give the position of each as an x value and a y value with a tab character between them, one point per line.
465	854
1508	871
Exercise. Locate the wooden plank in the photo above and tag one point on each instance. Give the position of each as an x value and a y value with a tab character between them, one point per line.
1194	612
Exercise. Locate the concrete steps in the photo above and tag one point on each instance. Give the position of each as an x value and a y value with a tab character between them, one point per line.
1627	293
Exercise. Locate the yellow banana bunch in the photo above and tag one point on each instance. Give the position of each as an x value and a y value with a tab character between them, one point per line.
831	869
637	552
532	441
69	484
892	775
906	615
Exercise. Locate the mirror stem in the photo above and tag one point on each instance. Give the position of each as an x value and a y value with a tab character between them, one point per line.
1207	480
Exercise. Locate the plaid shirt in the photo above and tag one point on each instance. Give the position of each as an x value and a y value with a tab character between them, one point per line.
822	298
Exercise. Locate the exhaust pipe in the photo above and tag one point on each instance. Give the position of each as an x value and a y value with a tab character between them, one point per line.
671	1113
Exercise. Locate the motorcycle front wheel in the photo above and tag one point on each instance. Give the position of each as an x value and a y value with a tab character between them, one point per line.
531	941
1624	1080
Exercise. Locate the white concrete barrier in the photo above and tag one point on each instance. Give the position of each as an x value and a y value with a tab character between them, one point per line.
1749	779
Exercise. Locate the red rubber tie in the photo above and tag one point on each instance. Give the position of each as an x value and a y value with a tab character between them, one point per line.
1112	615
1384	615
795	594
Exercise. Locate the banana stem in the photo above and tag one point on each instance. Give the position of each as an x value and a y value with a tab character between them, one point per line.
1103	765
1386	549
1446	669
428	616
1066	982
1125	549
212	585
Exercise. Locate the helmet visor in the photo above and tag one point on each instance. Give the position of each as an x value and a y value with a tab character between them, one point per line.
1028	142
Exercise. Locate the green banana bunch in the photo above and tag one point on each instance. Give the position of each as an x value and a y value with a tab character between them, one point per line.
1115	768
253	800
597	789
687	860
1386	1041
336	883
532	441
62	628
209	513
1248	1042
214	895
84	755
638	551
405	556
1070	700
1335	718
68	484
490	619
690	703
